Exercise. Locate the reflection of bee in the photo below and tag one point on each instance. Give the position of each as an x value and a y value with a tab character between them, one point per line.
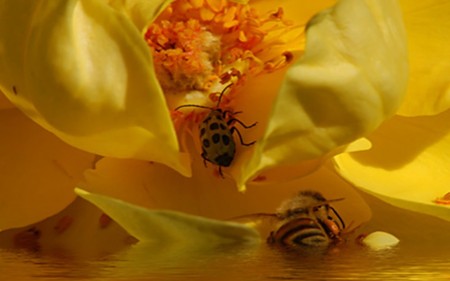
306	220
216	130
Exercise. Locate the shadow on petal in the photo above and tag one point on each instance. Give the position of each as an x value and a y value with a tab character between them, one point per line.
407	166
38	171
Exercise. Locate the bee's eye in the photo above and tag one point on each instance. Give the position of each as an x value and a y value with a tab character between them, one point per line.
318	208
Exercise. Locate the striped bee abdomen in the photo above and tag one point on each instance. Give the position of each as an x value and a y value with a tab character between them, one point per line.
302	231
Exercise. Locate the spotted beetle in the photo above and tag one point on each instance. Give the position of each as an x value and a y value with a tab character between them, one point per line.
216	134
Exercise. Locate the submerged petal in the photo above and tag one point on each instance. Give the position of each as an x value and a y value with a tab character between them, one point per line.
352	77
428	28
82	70
38	171
169	226
407	166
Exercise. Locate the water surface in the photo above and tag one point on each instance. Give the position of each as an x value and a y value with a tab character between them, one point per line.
236	262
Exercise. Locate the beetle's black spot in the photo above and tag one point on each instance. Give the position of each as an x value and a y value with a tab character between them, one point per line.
214	126
14	89
222	126
202	132
225	139
207	119
206	143
223	160
216	138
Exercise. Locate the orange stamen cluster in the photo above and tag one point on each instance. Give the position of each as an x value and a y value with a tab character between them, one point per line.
196	42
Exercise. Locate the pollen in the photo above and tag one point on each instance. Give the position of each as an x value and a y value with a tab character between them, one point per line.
196	43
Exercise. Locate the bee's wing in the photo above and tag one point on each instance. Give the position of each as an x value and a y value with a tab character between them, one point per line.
263	222
255	217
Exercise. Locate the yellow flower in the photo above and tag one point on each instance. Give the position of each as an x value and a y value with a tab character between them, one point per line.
108	78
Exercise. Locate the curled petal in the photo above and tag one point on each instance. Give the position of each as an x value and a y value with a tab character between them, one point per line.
141	12
170	226
38	171
352	77
428	28
82	70
407	166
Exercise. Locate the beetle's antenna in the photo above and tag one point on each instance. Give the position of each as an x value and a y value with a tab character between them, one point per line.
193	105
221	94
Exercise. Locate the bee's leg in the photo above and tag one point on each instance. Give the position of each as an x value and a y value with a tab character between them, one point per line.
233	129
271	238
232	120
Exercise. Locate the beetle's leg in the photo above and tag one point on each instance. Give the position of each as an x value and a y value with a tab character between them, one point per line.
230	113
204	158
234	129
220	172
232	120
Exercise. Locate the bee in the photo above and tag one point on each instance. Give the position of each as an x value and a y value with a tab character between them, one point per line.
305	221
216	134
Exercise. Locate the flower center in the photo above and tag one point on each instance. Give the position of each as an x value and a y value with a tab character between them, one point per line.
201	46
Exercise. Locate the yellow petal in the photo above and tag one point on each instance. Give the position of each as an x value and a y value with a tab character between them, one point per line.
428	29
407	166
38	171
155	186
169	226
81	230
299	11
141	12
85	73
351	78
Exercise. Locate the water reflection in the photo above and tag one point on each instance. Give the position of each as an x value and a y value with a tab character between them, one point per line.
234	262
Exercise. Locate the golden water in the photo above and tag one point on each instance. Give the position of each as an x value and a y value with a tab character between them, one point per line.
236	262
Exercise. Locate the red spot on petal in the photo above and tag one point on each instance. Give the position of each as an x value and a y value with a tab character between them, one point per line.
444	200
63	224
104	221
260	178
